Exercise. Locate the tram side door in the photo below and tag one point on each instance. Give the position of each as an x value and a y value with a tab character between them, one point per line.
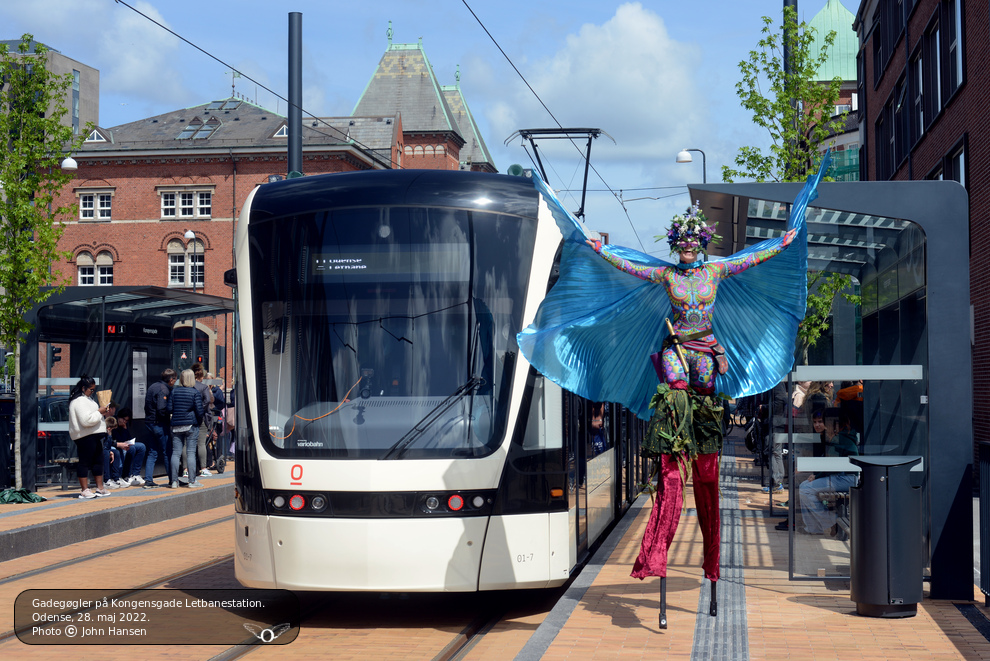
577	463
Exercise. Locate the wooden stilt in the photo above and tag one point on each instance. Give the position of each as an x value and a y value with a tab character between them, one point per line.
663	602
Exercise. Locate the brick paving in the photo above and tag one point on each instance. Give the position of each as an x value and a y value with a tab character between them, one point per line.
615	618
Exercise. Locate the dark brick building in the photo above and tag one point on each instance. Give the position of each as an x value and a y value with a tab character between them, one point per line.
923	79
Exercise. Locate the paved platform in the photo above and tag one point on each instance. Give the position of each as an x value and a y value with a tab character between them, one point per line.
64	519
606	614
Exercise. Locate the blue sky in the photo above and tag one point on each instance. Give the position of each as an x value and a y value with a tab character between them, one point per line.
658	76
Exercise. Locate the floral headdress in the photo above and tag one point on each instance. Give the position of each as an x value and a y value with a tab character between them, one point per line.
690	231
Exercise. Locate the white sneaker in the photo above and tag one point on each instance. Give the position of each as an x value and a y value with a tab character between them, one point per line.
137	481
205	473
87	494
111	484
101	492
185	473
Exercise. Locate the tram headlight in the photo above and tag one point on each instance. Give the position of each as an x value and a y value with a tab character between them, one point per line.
278	501
297	502
432	503
318	503
477	502
455	503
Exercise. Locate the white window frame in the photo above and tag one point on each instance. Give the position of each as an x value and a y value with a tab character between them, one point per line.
95	204
86	275
187	268
192	202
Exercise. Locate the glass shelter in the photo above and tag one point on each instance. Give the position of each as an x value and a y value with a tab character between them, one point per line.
904	351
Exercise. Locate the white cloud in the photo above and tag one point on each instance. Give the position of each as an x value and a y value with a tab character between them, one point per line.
149	69
626	76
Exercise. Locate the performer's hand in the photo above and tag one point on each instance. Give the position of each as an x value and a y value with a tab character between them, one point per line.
595	244
789	237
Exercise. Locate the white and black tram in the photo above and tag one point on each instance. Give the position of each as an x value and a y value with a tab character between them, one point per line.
389	435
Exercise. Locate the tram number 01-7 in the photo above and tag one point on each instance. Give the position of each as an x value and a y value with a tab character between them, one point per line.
525	557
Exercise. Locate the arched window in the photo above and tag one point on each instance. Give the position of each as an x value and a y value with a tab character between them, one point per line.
440	150
104	269
86	268
186	264
429	150
418	151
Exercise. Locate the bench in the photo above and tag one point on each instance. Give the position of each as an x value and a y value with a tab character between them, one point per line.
66	463
838	501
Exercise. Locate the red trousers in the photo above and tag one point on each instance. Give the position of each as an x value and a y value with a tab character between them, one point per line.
660	529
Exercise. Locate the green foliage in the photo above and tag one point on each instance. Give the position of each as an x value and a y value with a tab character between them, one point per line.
822	289
32	102
796	110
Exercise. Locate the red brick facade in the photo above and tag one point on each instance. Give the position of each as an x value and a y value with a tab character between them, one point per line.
137	237
962	122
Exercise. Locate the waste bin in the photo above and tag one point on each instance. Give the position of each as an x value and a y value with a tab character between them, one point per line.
885	538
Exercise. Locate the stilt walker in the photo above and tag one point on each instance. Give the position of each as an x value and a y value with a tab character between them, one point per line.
596	328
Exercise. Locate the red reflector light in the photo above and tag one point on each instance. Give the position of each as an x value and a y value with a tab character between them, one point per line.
556	493
455	502
297	502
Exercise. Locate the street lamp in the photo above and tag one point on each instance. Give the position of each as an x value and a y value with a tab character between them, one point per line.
684	156
191	236
69	163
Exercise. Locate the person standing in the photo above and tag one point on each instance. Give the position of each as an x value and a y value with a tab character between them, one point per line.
157	421
186	408
207	395
88	429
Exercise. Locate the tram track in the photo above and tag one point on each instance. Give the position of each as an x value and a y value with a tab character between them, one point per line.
157	581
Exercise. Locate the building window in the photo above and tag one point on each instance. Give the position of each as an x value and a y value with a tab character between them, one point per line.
918	103
955	56
955	165
94	272
283	132
168	205
186	264
86	205
186	203
85	276
95	205
197	129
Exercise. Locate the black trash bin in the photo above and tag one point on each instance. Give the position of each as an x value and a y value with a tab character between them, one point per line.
885	538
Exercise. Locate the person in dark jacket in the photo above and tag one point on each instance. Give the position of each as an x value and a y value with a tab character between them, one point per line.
157	421
186	407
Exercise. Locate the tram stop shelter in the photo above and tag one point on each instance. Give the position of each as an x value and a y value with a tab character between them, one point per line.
123	337
906	244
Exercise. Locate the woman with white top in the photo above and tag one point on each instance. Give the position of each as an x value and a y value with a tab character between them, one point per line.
88	428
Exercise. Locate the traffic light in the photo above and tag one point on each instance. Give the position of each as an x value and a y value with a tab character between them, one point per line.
56	351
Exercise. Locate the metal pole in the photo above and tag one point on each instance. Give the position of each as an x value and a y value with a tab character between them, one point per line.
295	94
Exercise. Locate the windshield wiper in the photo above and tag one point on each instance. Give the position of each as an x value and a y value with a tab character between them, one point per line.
430	418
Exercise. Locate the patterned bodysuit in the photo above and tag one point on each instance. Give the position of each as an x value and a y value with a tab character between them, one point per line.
691	288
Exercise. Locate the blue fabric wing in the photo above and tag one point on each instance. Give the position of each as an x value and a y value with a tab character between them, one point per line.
596	329
757	312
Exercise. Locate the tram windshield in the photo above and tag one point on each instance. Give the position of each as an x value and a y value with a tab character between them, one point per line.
387	333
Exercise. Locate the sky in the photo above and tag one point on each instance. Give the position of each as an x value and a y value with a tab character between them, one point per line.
657	76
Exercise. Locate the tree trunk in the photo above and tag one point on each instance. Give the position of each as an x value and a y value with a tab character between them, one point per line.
18	482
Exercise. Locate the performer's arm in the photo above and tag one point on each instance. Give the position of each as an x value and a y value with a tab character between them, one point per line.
640	271
732	267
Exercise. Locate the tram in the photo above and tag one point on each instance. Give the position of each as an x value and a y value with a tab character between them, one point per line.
390	436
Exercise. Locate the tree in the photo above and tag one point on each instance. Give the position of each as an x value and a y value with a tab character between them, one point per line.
32	103
797	114
797	109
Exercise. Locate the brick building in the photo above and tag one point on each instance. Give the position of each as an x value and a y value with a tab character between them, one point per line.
142	186
922	89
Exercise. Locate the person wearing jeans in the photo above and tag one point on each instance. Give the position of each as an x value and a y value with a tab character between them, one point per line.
186	407
157	421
